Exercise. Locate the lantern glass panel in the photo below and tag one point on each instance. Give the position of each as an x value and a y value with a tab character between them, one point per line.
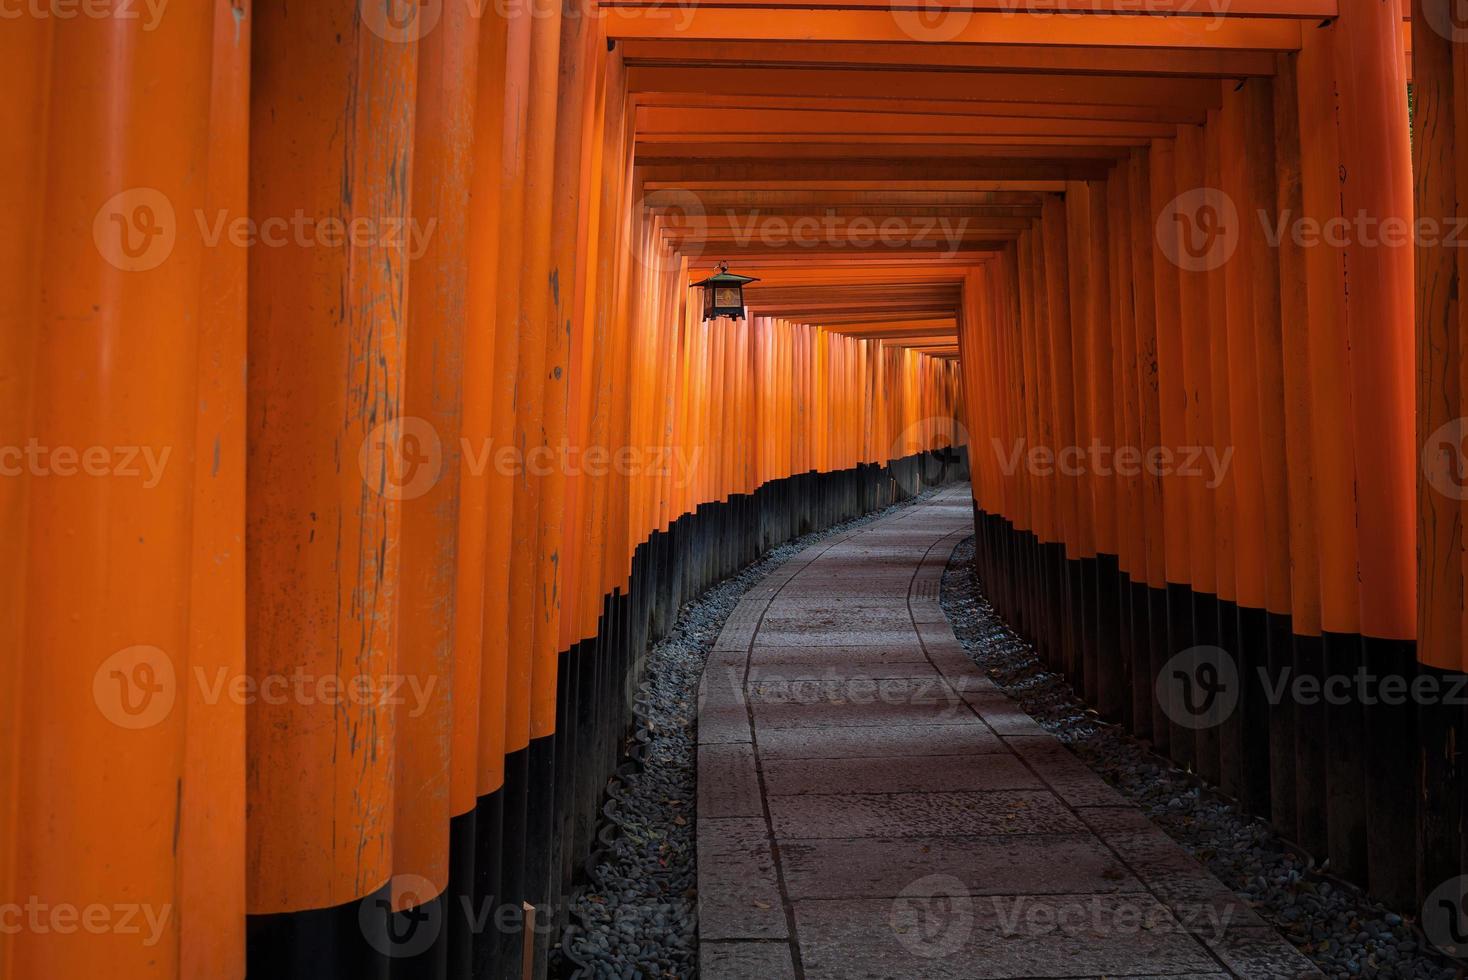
726	297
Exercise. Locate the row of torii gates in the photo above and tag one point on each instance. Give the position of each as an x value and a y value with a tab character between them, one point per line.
324	264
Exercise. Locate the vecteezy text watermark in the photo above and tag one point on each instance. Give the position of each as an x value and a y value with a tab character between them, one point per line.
137	688
1201	229
1106	915
408	21
944	20
1097	459
41	918
408	920
148	12
137	230
403	459
145	463
837	232
1201	687
934	917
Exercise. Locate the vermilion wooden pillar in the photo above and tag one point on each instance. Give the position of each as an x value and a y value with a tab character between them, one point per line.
528	771
1376	181
25	53
333	102
212	887
431	722
101	362
1441	171
1361	296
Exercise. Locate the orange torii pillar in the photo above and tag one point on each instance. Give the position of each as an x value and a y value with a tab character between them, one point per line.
1300	410
123	771
432	829
1360	170
333	103
1440	73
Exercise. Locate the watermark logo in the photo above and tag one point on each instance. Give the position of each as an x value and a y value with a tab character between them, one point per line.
935	439
1198	231
135	688
410	930
1445	461
1445	917
1448	18
931	20
933	917
401	21
401	459
135	230
1199	688
673	206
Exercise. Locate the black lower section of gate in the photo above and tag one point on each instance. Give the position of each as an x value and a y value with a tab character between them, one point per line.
515	857
1346	744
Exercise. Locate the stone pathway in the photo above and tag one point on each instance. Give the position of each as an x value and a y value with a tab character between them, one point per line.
870	805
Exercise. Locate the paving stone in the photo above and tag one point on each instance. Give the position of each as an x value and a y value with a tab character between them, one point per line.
924	937
1071	778
884	867
731	657
838	618
1000	712
745	961
728	785
829	637
733	641
722	686
735	638
907	652
927	586
942	708
987	773
871	743
767	680
937	639
959	814
926	689
1260	952
1123	818
1203	903
953	664
839	604
738	894
722	724
853	588
925	611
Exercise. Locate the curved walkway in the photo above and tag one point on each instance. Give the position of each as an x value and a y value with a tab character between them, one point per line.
870	805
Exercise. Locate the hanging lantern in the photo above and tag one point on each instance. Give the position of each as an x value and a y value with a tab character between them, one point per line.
723	294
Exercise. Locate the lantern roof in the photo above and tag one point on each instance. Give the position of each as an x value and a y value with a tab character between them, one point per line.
725	278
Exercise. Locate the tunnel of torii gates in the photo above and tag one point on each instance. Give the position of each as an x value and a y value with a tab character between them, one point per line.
466	450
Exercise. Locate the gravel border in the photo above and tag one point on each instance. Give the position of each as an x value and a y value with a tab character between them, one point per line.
638	915
1342	930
